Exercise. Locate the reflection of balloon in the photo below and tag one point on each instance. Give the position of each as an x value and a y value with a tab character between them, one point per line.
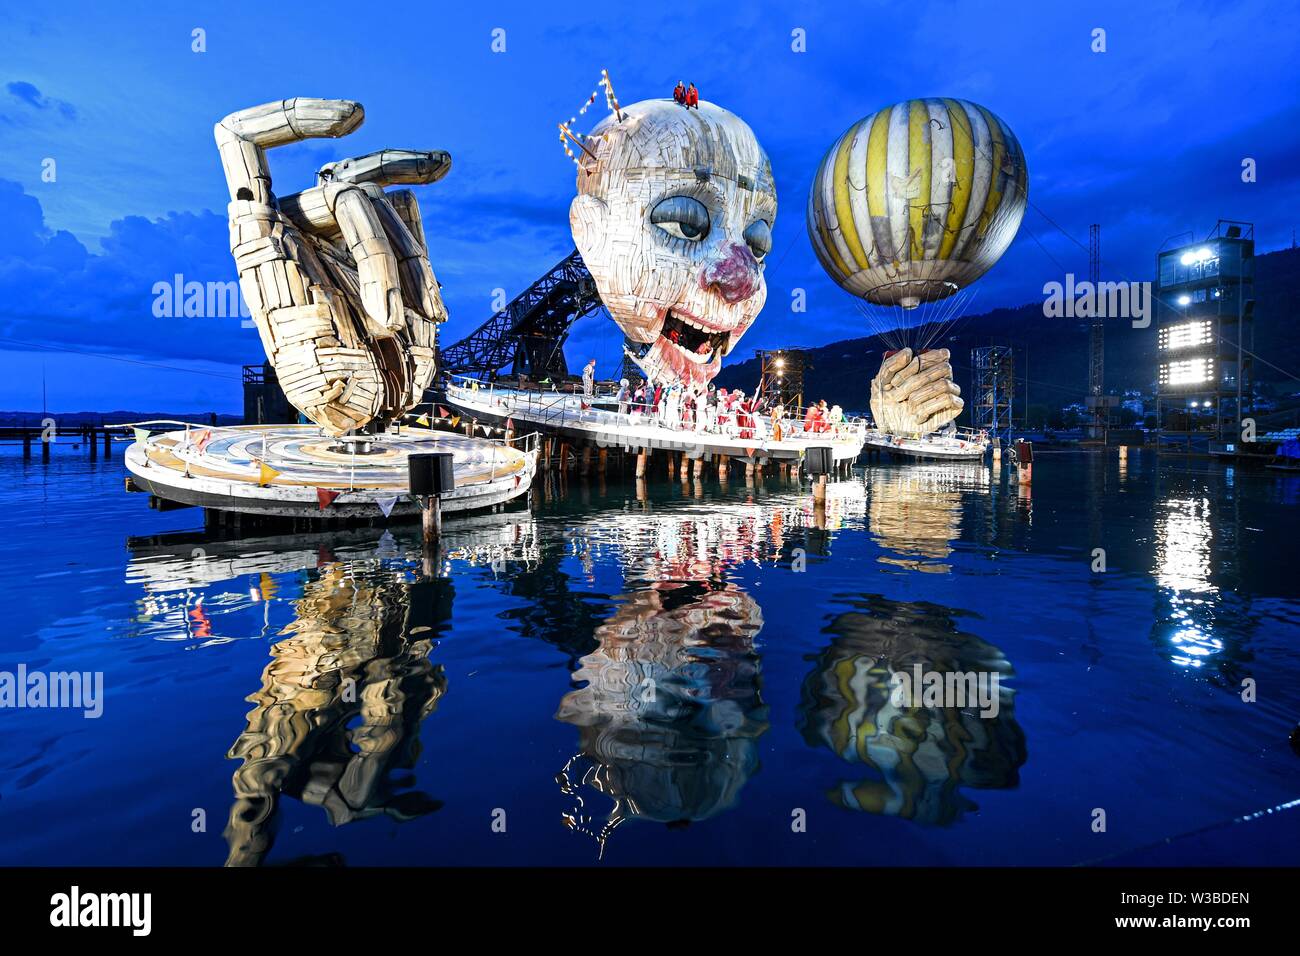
923	754
917	201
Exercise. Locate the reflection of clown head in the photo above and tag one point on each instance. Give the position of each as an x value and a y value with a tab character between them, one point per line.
669	710
673	218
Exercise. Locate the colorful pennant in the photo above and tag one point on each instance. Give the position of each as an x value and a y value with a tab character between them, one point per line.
325	497
265	474
386	504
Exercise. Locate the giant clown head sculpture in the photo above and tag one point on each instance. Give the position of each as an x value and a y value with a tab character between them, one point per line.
673	218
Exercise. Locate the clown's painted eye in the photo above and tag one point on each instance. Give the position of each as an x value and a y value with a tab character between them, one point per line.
681	217
759	238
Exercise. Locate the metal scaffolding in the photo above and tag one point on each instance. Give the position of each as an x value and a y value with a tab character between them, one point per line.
993	389
780	377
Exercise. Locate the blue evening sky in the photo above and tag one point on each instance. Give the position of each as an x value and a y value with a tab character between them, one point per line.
1146	138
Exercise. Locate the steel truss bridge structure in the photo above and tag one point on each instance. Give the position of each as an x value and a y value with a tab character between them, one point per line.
526	338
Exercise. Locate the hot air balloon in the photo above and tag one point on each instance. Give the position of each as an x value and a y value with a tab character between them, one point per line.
917	201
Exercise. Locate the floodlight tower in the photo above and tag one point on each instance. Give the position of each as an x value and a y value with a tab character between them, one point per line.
780	379
1205	306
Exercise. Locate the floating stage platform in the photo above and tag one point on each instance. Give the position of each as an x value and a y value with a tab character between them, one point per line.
596	421
965	445
297	471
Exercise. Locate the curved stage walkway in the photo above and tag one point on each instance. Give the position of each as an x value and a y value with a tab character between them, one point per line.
564	414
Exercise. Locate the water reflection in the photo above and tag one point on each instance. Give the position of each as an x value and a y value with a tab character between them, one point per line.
921	755
915	512
670	714
337	718
1196	614
669	711
341	703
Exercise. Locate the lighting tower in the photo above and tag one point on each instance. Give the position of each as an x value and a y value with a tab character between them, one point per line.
780	378
1205	307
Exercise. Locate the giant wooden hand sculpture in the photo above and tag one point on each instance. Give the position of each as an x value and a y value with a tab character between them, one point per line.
337	277
914	395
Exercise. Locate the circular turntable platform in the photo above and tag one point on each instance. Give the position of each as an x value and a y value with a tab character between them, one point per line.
283	469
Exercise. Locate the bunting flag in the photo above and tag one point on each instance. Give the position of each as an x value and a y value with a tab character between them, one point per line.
487	429
386	504
750	452
510	424
142	435
455	421
265	474
443	413
584	405
423	420
518	478
325	497
201	440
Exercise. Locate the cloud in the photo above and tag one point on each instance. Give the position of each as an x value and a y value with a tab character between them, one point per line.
56	291
27	93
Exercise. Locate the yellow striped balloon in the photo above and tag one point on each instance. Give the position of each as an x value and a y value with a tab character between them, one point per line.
917	201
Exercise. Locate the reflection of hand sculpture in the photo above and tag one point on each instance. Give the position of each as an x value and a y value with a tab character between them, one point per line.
350	659
915	395
923	754
915	514
673	218
670	713
337	277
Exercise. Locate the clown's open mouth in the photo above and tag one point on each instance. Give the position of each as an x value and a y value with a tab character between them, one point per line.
691	337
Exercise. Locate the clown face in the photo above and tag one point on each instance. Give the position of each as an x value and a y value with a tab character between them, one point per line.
674	218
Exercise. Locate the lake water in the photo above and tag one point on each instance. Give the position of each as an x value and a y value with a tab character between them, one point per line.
701	677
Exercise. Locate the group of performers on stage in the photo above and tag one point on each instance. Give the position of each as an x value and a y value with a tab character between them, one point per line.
719	411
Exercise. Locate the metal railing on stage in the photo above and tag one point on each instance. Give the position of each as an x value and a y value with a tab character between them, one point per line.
556	409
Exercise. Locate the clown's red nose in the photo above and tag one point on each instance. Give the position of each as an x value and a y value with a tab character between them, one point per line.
734	274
